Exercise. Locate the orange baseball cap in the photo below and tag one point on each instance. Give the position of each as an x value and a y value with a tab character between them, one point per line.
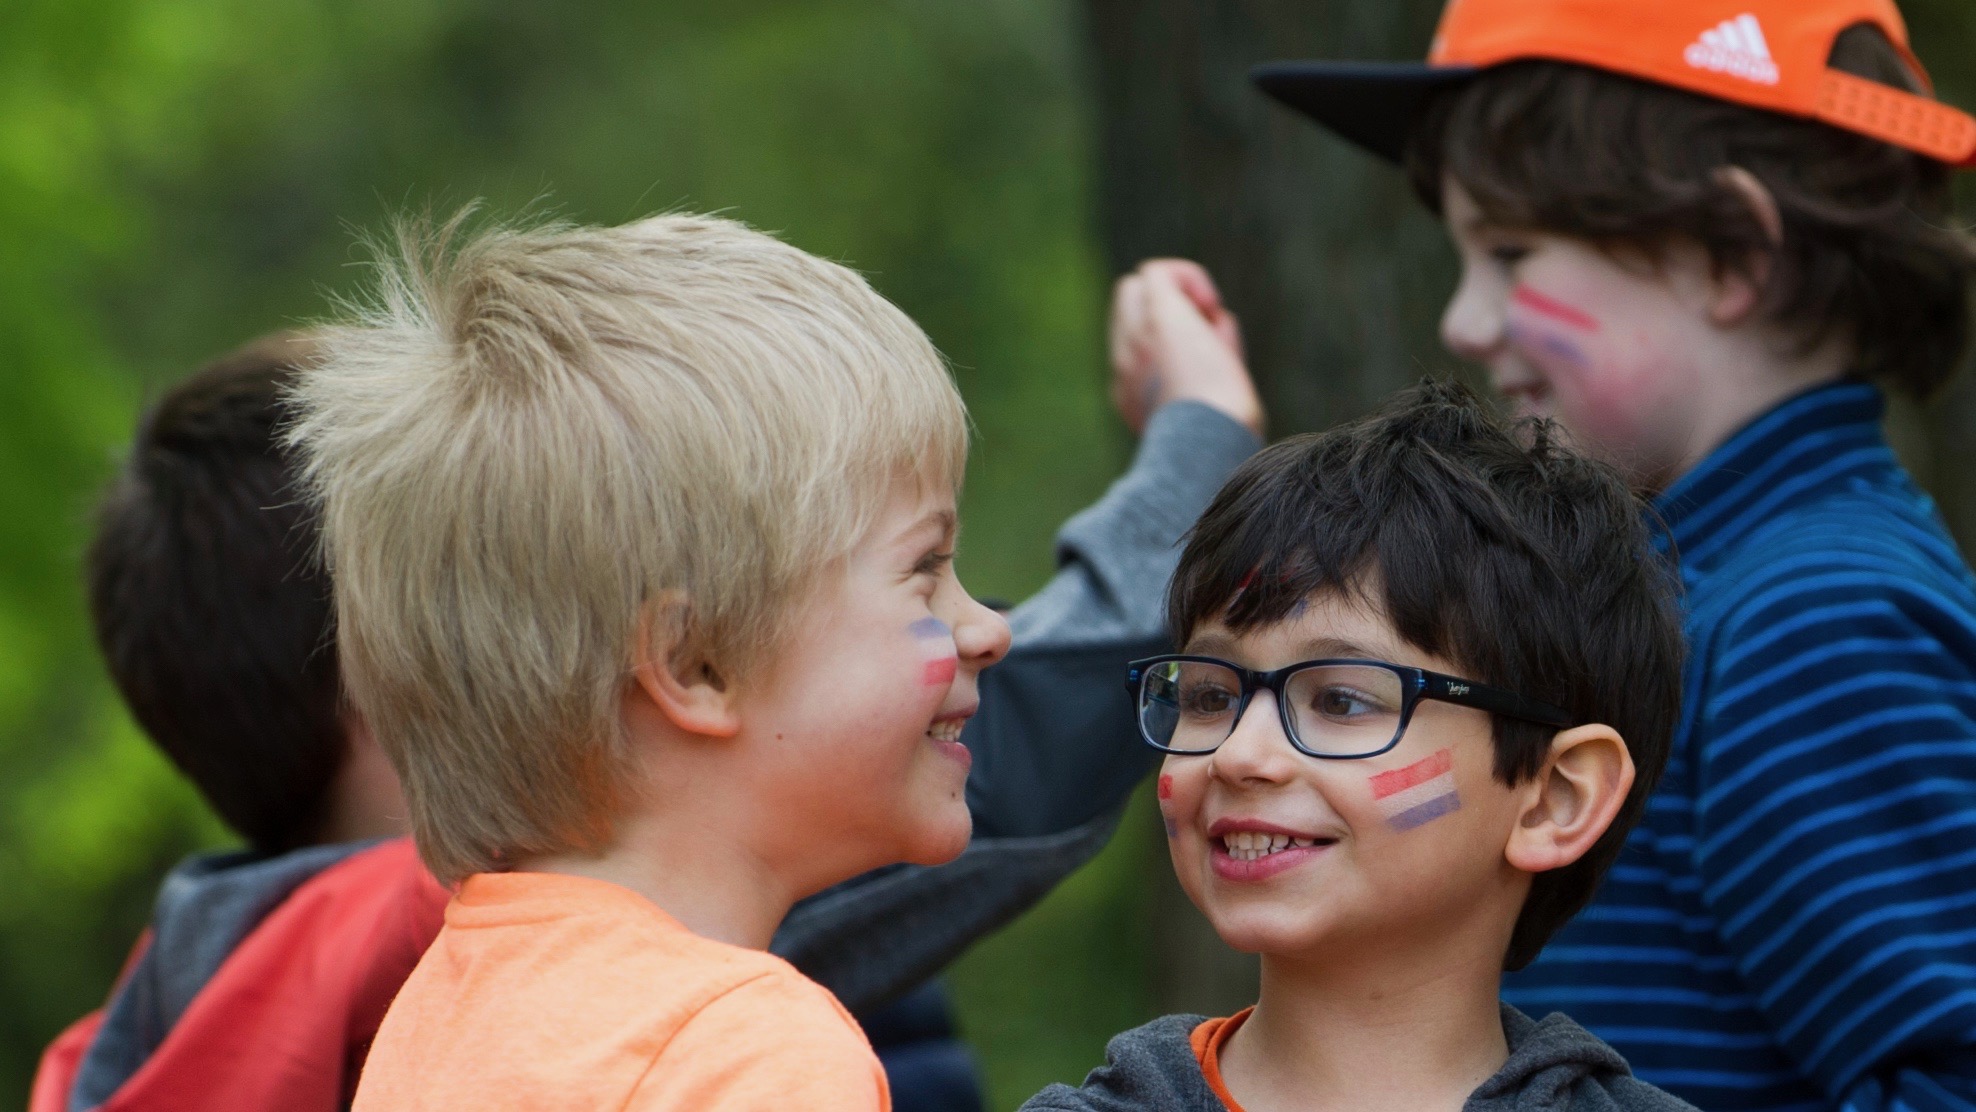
1768	54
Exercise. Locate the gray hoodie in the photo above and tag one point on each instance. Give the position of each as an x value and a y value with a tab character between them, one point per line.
1553	1066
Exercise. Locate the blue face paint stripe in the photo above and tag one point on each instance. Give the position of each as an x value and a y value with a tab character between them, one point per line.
1426	812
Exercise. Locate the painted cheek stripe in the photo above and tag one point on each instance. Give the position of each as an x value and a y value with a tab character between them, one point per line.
1419	793
1556	310
1545	342
936	649
1166	793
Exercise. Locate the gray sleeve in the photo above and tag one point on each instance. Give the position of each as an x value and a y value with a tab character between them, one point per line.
1115	556
1054	743
876	937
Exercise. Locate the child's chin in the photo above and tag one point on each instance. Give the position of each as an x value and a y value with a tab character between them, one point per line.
1256	930
942	839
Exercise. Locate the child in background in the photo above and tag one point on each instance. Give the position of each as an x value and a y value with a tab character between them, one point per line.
266	970
642	544
1704	239
1428	676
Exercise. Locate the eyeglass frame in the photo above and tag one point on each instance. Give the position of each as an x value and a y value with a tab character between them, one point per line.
1416	684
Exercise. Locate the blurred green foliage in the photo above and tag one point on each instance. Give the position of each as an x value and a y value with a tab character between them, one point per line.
177	176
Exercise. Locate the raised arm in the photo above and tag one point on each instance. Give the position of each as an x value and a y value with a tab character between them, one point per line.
1054	744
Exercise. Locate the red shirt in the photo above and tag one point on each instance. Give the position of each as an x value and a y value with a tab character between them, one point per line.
287	1020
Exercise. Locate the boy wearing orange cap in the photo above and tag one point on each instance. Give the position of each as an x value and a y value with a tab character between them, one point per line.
1704	237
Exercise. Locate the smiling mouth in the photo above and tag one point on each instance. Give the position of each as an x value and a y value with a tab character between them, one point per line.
946	729
1251	845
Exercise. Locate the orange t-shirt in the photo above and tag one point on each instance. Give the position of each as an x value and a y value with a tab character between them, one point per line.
1207	1041
546	991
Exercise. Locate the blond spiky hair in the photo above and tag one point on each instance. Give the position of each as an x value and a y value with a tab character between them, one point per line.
527	435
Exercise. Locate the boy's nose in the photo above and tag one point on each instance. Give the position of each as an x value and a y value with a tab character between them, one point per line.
1472	324
981	637
1257	749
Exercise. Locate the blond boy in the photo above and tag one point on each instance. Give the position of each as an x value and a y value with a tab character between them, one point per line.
642	544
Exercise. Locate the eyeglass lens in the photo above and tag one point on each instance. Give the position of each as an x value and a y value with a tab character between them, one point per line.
1339	710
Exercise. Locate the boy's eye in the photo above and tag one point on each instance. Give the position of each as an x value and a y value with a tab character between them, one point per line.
1206	699
1508	254
1342	704
933	563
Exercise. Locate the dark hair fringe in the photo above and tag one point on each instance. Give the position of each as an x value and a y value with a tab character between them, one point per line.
1489	545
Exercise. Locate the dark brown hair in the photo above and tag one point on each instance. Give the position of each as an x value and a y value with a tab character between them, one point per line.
1489	545
1869	255
210	606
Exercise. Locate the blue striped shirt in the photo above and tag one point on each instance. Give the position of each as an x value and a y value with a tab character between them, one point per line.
1793	923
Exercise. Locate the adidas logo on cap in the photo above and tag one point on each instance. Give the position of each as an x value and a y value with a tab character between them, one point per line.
1735	47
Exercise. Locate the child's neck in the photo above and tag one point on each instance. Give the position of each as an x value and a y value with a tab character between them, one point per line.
694	871
1745	374
1392	1033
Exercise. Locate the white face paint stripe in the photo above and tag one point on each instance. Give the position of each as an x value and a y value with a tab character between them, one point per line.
936	650
1400	802
1421	792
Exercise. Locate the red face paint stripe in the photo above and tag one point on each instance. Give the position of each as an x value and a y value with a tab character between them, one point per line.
1419	772
940	671
1556	310
1166	787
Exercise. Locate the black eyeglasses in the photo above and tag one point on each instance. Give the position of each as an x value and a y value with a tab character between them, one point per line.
1335	709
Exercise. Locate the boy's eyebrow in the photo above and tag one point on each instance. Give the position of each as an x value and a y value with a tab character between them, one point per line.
1208	644
1321	648
943	521
1332	647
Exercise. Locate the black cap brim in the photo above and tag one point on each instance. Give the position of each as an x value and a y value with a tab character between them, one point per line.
1373	104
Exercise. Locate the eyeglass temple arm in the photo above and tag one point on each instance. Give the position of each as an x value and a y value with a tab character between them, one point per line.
1495	700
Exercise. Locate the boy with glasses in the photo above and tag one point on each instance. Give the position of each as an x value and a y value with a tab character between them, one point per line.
1430	668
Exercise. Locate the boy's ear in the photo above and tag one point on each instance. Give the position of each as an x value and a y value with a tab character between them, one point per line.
1572	800
1741	282
685	687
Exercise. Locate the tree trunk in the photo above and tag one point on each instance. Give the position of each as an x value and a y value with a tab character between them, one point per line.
1336	271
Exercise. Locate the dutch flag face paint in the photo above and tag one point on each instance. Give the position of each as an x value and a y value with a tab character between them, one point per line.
936	651
1419	793
1535	328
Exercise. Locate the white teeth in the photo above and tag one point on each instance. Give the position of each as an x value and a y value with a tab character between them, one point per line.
1249	845
946	731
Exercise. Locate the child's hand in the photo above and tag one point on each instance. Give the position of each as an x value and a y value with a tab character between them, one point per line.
1173	339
